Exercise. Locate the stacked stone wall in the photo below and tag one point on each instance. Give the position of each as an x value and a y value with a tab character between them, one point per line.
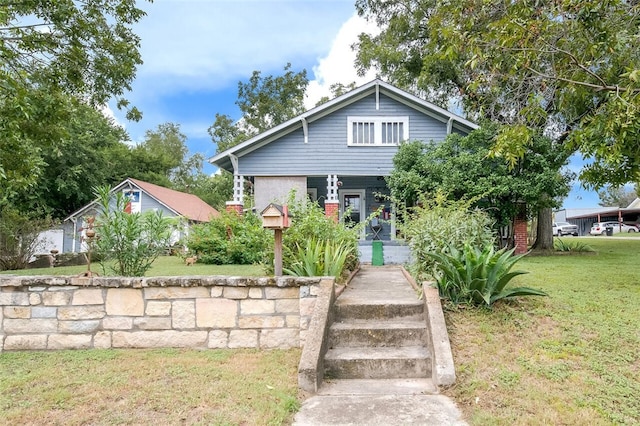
194	312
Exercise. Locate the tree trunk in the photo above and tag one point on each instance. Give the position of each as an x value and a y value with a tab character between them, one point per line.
544	234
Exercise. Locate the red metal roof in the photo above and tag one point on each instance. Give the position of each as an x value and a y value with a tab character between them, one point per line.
187	205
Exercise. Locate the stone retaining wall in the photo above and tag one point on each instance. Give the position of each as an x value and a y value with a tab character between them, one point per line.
195	312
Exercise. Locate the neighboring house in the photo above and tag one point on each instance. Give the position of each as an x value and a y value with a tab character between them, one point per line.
584	218
339	153
143	196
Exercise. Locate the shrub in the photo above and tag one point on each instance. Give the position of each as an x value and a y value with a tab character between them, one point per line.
437	225
19	237
230	239
128	243
478	276
311	229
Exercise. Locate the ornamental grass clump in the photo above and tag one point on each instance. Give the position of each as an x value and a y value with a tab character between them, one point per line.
319	258
478	276
572	246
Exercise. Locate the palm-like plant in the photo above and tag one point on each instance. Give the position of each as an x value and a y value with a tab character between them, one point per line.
478	275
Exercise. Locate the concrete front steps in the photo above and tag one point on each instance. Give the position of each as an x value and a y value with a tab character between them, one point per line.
379	333
379	356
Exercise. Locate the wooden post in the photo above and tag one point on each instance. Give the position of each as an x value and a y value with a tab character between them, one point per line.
277	251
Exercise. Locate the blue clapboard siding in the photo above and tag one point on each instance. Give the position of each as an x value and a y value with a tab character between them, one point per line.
148	203
327	151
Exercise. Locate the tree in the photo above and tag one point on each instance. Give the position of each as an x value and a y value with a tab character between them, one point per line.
461	168
337	89
51	52
85	49
163	158
89	153
214	190
617	196
226	133
571	69
264	103
565	68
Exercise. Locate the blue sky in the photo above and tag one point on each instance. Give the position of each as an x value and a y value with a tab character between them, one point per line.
196	51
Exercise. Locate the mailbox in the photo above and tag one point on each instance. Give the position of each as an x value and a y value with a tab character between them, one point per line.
275	216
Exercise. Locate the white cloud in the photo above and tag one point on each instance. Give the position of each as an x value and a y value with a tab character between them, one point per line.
338	65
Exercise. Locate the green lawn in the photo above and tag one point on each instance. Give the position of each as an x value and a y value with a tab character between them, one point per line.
570	358
163	266
144	387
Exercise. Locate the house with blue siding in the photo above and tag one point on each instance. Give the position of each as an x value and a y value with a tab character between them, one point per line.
142	197
339	153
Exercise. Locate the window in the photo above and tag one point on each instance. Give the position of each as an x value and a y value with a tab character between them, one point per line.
380	131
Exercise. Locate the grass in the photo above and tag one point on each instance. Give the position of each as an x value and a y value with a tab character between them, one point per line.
627	234
169	386
571	358
163	266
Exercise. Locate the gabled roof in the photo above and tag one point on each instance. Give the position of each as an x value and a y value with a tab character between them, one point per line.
182	204
225	159
635	204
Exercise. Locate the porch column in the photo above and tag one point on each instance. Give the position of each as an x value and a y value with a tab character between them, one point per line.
332	203
238	195
520	234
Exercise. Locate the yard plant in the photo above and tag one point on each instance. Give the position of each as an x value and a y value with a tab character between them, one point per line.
19	237
128	243
317	258
571	246
571	358
437	225
230	239
316	244
478	276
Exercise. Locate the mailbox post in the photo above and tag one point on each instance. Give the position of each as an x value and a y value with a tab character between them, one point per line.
276	217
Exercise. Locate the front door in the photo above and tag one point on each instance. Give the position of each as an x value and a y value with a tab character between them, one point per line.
352	206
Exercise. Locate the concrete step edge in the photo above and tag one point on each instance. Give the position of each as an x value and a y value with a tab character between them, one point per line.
377	353
380	324
412	386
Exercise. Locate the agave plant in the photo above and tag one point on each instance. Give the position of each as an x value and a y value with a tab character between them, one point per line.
478	276
574	246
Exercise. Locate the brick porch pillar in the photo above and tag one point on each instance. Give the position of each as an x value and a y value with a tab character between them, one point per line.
234	207
520	234
331	209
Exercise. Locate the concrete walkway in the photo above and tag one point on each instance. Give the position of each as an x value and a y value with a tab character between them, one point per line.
384	401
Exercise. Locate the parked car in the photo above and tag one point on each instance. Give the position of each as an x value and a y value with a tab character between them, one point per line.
600	228
565	228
